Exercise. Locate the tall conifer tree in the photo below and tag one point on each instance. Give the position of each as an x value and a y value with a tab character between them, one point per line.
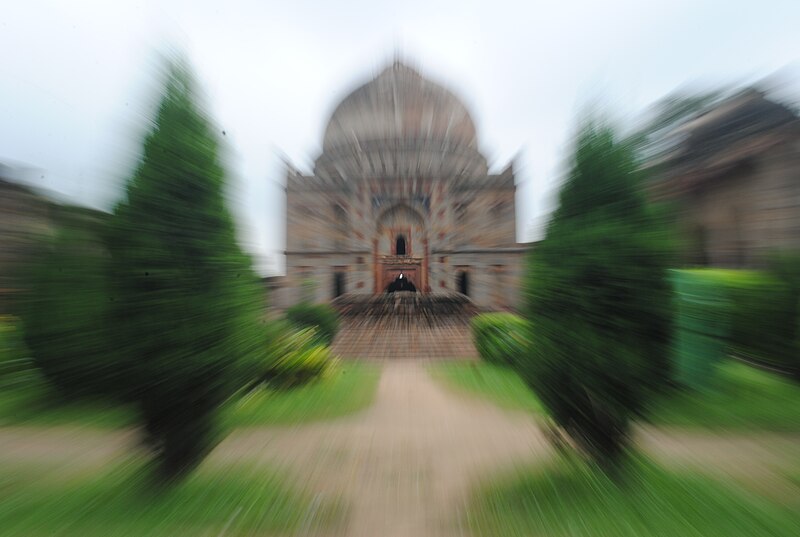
185	297
598	300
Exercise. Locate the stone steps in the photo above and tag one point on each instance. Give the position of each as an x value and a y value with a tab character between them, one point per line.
404	342
404	325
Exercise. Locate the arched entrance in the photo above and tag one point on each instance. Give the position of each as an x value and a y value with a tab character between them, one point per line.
401	283
400	245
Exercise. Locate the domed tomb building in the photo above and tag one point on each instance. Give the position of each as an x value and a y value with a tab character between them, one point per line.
401	199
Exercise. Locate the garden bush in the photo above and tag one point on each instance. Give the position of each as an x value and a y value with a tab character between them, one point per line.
16	366
763	319
500	338
785	265
320	316
295	358
760	314
65	309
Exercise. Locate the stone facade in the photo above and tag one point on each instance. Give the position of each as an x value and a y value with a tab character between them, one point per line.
735	175
401	188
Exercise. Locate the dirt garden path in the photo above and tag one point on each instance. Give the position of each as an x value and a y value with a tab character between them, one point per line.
405	466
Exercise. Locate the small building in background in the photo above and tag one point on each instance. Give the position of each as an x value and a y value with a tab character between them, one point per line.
733	175
401	198
29	217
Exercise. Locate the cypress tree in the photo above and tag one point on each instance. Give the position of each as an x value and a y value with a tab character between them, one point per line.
185	299
599	301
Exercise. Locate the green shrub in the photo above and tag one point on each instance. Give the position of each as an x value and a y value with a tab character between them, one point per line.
760	314
65	312
320	316
295	359
785	265
500	338
599	302
16	367
763	319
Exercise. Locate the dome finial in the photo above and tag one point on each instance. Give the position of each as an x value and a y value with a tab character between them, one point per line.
397	56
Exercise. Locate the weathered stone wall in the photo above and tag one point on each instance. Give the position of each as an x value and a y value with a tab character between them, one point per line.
749	212
734	182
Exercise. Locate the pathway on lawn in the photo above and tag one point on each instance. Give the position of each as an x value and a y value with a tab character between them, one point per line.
404	466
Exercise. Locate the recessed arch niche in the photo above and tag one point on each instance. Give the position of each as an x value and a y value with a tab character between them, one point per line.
401	244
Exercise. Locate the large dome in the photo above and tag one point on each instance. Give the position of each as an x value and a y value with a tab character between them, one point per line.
399	104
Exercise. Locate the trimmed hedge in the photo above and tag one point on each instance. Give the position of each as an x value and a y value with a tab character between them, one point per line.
702	310
753	312
763	320
287	357
500	338
295	359
320	316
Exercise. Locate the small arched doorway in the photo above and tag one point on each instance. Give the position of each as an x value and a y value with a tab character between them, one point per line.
462	282
400	245
401	283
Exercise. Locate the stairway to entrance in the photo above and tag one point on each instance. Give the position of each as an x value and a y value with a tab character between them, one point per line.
405	325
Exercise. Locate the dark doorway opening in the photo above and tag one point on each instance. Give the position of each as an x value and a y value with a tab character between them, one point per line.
462	283
338	284
401	283
400	245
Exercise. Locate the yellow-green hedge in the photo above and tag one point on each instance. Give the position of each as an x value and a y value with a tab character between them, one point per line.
500	338
296	357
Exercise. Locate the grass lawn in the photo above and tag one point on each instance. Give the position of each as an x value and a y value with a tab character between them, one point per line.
220	501
497	384
740	397
350	388
33	404
26	399
572	499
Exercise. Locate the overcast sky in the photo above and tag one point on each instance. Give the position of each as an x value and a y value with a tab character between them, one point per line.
77	79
